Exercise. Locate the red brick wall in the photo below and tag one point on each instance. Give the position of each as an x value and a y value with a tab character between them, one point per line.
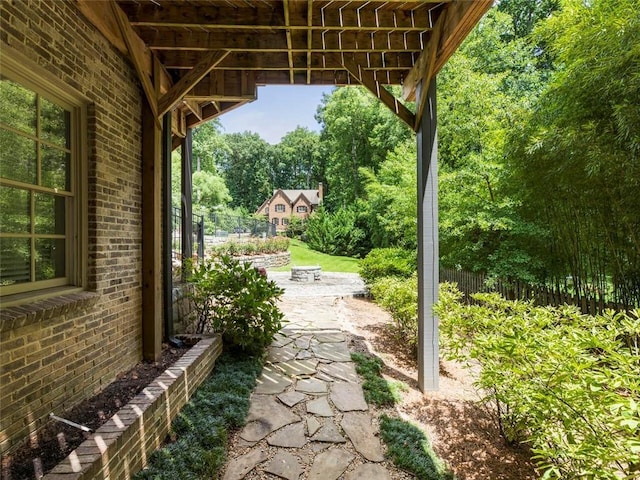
55	353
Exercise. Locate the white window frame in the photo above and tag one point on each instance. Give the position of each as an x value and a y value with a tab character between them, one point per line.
24	72
304	208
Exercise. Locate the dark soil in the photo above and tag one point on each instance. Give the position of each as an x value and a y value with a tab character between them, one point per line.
56	440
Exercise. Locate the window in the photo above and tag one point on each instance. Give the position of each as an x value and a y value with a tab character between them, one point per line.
40	238
279	208
301	209
285	221
275	221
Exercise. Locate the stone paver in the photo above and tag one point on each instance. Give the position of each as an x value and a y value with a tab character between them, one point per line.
348	397
284	465
308	405
291	436
331	464
359	429
320	406
368	471
312	385
239	467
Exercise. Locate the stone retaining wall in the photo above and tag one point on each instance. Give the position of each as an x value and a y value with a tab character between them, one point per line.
122	446
272	260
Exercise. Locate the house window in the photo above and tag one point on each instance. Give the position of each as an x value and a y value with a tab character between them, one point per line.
279	208
301	209
275	221
285	221
40	236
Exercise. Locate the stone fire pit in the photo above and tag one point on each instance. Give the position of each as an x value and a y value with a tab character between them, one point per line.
305	274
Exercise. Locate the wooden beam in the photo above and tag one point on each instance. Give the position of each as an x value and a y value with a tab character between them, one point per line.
186	83
194	107
138	56
414	16
366	78
211	111
321	41
309	38
152	313
423	68
226	85
285	6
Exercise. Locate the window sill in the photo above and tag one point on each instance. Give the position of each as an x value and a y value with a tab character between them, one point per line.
20	311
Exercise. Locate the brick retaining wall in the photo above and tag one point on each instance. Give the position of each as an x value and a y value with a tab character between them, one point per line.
123	444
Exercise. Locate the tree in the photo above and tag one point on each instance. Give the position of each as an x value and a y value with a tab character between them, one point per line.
245	167
296	161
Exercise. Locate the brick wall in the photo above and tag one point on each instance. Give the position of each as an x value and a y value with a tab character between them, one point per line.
54	353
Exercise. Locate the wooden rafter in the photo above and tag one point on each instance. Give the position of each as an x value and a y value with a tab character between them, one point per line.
285	5
190	80
366	79
309	38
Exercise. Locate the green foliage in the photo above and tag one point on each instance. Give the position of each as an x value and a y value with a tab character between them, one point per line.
399	296
234	299
252	247
296	162
565	383
409	448
335	233
387	262
377	390
218	406
297	228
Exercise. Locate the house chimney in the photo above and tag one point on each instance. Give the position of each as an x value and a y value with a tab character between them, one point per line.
320	192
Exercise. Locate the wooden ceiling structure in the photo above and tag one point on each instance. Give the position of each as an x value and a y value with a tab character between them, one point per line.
201	58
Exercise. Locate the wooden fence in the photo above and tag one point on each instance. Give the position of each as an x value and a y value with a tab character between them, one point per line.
469	283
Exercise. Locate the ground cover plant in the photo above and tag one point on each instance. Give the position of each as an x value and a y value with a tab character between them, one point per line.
236	300
199	433
407	445
566	384
302	255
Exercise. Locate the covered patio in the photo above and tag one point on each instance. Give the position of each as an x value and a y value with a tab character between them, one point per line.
197	60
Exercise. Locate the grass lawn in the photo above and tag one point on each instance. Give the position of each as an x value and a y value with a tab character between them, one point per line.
302	255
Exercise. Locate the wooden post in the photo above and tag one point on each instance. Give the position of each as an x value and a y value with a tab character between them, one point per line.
428	279
187	199
167	228
151	235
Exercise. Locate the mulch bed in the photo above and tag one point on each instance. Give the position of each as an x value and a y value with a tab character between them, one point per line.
56	440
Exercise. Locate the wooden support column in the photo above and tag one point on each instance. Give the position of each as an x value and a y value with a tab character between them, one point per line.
187	198
167	228
151	234
428	275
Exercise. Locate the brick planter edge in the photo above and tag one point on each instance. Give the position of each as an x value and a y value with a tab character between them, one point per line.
122	446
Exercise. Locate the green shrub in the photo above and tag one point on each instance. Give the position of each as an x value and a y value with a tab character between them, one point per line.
236	300
297	228
253	247
565	383
387	262
399	296
335	233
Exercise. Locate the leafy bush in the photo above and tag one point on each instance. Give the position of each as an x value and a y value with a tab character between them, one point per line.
254	247
236	300
335	233
399	296
563	382
387	262
297	228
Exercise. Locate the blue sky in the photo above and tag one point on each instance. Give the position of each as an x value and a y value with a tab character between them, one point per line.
278	110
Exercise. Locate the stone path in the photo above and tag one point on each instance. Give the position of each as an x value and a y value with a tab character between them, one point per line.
308	418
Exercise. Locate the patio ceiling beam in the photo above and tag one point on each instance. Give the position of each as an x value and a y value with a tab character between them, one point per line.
226	85
272	19
159	38
365	78
309	39
285	6
186	83
213	110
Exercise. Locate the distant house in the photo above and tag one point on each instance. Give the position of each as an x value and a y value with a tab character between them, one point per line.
284	204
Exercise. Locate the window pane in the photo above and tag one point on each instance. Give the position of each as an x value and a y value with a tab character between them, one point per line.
50	258
49	217
15	210
55	168
54	125
15	260
17	106
17	157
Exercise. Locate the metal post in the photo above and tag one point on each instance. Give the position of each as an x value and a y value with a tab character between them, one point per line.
167	226
187	199
427	138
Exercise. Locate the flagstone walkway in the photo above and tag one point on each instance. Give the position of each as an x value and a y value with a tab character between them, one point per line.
308	418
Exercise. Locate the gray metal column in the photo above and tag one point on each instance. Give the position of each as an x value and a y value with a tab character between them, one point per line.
167	223
428	278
